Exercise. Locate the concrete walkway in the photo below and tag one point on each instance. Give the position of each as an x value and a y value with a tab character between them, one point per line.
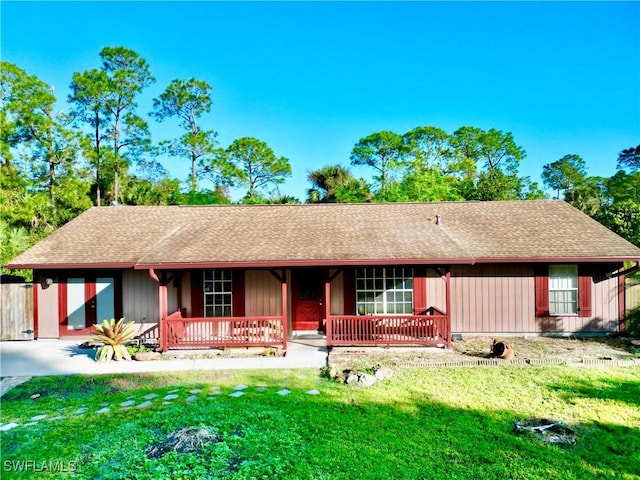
64	357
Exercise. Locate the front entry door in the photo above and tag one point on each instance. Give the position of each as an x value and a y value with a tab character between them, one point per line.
308	299
85	302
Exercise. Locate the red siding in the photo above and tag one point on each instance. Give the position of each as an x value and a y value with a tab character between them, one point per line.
584	293
419	291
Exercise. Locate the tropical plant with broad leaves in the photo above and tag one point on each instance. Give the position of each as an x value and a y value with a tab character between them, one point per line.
114	337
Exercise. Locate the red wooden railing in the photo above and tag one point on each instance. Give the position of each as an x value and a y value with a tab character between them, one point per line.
220	332
354	330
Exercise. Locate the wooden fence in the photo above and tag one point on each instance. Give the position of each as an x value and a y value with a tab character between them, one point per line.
632	294
16	311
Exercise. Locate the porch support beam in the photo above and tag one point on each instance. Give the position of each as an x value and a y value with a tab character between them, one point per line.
439	271
281	277
327	312
163	304
335	274
284	312
447	289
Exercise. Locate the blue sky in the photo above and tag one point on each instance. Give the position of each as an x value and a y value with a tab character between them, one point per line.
311	79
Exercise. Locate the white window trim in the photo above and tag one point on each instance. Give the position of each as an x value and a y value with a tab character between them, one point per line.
369	274
217	279
576	289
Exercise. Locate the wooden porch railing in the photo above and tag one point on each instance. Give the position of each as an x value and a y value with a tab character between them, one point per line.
219	332
354	330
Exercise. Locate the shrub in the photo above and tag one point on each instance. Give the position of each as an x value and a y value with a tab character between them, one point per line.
114	336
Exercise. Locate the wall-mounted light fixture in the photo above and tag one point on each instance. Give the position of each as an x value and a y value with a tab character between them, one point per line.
48	281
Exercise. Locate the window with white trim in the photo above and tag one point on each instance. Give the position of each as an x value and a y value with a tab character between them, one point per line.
563	289
218	293
381	291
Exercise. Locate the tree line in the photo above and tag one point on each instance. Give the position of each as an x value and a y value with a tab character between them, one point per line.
56	164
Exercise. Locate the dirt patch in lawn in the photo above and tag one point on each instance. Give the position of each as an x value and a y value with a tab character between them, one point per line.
477	350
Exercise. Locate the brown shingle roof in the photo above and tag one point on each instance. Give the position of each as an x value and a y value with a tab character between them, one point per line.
325	234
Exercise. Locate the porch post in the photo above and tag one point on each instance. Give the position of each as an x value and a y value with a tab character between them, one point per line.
284	312
162	300
163	306
447	288
327	311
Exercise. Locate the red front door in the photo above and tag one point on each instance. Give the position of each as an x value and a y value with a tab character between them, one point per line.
308	299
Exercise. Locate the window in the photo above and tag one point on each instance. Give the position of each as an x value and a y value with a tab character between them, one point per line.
563	289
381	291
218	287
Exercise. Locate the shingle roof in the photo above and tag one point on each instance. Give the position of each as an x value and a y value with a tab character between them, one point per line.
327	234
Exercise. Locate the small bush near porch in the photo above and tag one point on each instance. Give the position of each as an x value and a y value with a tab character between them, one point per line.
423	423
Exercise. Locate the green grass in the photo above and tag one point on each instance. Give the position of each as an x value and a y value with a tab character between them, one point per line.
454	423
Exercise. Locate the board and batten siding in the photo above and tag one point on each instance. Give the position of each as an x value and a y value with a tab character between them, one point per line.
48	312
337	294
501	299
140	299
263	294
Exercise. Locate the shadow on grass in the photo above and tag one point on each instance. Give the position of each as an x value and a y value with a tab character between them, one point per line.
602	389
344	433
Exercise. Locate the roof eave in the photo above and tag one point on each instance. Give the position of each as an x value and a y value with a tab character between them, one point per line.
370	261
69	266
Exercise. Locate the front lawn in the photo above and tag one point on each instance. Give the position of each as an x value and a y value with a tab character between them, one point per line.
453	423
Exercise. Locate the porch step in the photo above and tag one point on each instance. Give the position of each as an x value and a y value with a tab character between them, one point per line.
309	335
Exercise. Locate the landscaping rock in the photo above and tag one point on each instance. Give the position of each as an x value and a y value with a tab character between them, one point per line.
147	356
383	373
360	379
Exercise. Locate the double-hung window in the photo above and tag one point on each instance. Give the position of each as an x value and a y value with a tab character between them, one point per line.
218	294
563	289
382	291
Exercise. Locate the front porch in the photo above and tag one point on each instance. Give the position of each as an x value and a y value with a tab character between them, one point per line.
424	326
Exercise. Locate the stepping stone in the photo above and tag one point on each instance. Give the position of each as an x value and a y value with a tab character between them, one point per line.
236	394
284	392
195	390
80	411
239	387
30	424
149	396
192	398
145	404
166	403
128	403
38	417
313	392
262	389
174	391
104	410
171	396
58	417
8	426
